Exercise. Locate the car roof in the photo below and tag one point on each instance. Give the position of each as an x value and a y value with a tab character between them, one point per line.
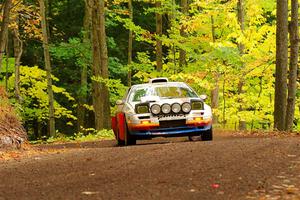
159	84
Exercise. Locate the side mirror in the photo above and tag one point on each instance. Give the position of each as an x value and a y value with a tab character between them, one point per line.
119	102
203	97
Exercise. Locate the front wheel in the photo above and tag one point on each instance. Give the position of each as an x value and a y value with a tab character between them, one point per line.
128	141
207	135
120	142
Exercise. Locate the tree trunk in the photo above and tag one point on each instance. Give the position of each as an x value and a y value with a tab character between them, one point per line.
215	91
51	125
104	67
213	29
4	29
97	103
159	52
281	65
215	96
7	62
47	4
241	46
182	53
18	50
241	20
224	101
100	66
292	86
130	41
81	111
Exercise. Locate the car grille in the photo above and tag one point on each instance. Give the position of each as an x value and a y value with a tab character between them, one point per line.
172	123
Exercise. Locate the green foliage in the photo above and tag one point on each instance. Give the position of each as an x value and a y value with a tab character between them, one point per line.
211	60
34	98
75	50
116	90
8	67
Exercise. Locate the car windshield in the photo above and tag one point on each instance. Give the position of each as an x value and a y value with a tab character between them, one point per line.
163	92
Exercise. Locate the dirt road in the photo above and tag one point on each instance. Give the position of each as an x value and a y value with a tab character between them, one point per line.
226	168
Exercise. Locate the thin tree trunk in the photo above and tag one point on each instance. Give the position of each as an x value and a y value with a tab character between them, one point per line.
215	91
159	52
104	67
292	86
182	53
81	111
7	62
4	28
215	96
241	20
47	14
213	29
18	50
130	41
258	97
281	65
224	102
48	69
172	49
241	46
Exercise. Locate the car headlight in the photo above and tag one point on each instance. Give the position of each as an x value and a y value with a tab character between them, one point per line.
176	108
197	105
186	107
166	108
155	109
128	110
140	109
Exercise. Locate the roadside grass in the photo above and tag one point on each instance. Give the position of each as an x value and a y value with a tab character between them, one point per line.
87	135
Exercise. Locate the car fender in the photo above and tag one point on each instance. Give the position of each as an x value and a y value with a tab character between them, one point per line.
121	126
114	125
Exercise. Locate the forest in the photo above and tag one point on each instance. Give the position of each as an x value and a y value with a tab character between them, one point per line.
64	63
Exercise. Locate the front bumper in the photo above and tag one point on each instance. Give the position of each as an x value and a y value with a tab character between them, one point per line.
170	132
148	126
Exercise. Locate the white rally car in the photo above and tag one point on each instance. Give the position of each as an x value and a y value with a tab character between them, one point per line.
161	109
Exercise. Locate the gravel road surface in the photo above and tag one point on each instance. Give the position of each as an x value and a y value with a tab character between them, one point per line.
226	168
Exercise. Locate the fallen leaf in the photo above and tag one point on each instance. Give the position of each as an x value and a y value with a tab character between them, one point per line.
291	190
89	193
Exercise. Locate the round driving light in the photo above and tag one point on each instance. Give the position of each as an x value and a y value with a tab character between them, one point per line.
166	108
155	109
176	108
186	107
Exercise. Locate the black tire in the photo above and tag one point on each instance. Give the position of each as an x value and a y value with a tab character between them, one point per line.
130	139
207	135
120	142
